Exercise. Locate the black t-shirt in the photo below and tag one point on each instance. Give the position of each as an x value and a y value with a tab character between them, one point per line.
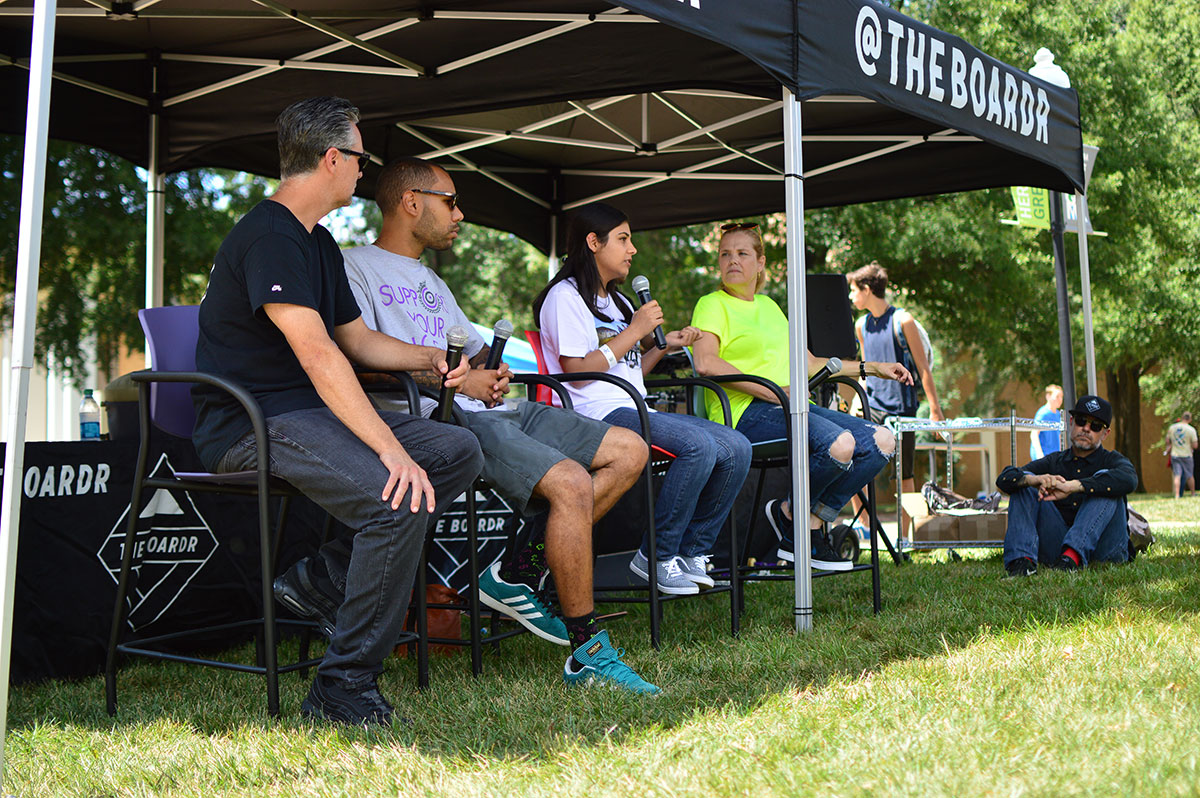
268	257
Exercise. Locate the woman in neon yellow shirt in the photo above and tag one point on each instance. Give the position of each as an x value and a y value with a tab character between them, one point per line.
744	332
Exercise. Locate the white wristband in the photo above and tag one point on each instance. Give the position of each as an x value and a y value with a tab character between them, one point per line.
608	355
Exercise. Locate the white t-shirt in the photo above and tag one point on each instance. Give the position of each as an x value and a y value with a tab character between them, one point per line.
402	297
569	328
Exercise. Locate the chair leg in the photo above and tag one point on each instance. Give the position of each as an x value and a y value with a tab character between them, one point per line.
738	571
473	584
422	620
118	620
267	559
652	564
873	522
735	614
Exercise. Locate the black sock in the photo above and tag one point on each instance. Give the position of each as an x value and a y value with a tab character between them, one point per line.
581	629
528	563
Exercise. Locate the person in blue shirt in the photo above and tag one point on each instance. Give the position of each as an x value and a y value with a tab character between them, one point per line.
1047	441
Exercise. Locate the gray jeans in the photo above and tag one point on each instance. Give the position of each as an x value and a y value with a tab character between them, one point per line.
320	457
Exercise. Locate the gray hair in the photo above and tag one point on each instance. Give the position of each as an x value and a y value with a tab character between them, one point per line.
307	129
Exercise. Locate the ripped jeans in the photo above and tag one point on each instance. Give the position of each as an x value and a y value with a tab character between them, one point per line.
831	482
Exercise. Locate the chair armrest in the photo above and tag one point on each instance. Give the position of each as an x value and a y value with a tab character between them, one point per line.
639	403
691	383
375	381
780	394
551	383
258	423
864	401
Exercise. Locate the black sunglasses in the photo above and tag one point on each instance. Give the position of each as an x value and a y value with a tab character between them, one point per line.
1092	423
363	158
451	196
726	228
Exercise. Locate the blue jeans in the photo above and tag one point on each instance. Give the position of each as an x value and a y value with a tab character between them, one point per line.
314	452
831	482
1036	529
710	465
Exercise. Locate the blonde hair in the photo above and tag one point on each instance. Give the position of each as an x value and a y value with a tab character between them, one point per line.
756	241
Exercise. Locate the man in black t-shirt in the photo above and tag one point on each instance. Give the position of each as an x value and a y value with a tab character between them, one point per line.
1067	509
279	319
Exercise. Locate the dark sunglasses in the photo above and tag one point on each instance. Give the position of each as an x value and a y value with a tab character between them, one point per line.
1092	423
451	196
731	226
363	158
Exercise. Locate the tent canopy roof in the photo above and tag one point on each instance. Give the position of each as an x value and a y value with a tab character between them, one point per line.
668	109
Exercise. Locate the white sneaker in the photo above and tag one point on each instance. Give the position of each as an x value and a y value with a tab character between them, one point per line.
670	577
696	569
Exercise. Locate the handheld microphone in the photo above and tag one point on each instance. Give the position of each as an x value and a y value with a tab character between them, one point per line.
641	287
500	335
831	367
456	339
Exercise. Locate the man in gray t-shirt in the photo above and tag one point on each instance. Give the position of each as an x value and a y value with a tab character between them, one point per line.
534	455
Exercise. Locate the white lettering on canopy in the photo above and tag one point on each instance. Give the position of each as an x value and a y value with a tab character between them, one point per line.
1000	97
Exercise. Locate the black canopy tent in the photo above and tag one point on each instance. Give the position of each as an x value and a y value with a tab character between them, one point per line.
891	108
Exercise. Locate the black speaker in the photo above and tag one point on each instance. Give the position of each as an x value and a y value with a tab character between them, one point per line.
830	320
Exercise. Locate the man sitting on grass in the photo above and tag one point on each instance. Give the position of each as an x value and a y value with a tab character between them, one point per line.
1067	509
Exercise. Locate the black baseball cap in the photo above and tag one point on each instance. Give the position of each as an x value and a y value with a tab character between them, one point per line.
1095	407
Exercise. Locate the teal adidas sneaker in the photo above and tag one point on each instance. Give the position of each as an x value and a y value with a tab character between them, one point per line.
522	605
601	663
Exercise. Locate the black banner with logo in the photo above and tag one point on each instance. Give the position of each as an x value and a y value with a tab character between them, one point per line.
196	554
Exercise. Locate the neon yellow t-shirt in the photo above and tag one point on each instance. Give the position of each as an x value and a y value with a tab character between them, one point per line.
753	339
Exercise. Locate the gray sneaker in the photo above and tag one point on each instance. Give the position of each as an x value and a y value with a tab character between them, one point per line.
670	577
696	569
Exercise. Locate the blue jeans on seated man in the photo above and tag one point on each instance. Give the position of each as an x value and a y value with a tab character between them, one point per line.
1036	529
831	482
320	457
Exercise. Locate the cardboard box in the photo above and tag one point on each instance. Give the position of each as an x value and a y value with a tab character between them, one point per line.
982	527
935	528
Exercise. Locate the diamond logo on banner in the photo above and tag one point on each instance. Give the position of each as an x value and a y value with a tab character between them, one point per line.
493	517
171	545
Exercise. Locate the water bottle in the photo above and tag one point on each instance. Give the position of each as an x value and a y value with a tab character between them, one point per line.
89	417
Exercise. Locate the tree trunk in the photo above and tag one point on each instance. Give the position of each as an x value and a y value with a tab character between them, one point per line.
1125	394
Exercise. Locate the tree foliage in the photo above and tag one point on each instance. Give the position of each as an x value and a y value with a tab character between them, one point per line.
91	278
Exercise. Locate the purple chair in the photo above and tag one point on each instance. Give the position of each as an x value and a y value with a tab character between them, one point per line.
165	400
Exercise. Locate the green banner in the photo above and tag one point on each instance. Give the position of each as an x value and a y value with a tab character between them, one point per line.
1033	206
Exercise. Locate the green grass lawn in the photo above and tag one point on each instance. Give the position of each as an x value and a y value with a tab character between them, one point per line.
1063	684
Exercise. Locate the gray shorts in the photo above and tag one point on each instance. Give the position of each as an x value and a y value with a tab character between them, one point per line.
520	446
1182	467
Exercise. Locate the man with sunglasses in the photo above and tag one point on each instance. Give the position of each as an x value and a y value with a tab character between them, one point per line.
564	468
279	320
1067	509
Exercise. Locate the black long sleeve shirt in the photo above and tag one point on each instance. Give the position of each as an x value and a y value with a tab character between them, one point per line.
1102	473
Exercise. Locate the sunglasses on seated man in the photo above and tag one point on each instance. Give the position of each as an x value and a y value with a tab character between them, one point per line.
1093	424
363	158
451	196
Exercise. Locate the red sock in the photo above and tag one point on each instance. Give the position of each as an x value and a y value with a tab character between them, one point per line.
1072	554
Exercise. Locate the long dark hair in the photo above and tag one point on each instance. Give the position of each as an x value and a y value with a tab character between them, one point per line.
580	263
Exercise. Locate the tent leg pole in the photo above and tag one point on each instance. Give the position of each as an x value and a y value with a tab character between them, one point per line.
29	247
1085	278
1066	352
155	220
798	341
